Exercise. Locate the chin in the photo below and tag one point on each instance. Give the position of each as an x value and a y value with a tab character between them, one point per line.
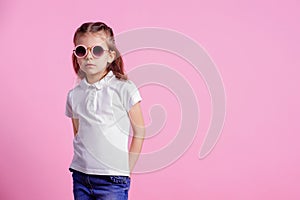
94	70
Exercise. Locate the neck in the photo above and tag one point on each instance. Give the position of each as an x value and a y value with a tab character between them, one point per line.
93	78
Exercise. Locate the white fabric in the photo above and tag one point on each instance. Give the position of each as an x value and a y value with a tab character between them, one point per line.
101	143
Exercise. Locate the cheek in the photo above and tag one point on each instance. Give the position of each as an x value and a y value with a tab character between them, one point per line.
101	61
80	62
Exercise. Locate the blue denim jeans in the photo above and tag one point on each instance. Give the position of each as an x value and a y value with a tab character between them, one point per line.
100	187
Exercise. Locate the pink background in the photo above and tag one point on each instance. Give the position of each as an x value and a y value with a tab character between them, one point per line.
255	45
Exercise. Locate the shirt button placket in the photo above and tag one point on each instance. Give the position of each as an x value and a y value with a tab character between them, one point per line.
94	99
91	99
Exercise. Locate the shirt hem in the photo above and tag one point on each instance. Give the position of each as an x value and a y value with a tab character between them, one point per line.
98	172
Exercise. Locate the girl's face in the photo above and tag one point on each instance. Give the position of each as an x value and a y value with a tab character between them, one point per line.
94	67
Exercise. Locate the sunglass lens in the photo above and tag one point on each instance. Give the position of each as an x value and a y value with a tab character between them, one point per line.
98	51
80	51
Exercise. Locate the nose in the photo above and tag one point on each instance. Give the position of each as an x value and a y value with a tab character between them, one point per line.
89	54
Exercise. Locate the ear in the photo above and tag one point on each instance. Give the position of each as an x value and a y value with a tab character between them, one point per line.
111	56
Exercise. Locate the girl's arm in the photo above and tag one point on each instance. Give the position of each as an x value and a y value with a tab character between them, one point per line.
138	127
75	123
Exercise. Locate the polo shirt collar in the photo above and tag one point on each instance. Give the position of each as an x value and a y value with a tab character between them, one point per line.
99	84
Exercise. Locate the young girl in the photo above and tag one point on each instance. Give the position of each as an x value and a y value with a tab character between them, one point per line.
103	107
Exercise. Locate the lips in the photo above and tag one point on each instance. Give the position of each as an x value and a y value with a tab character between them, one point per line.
90	65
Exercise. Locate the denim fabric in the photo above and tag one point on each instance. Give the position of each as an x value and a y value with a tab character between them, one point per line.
100	187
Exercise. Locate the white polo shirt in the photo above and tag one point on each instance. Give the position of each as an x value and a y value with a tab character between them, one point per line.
101	143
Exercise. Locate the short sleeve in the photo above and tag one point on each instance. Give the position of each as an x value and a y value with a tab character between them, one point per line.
131	95
69	111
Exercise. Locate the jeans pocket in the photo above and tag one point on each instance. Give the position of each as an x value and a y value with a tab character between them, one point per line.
119	179
77	176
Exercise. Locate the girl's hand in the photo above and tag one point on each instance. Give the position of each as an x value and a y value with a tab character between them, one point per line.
138	127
